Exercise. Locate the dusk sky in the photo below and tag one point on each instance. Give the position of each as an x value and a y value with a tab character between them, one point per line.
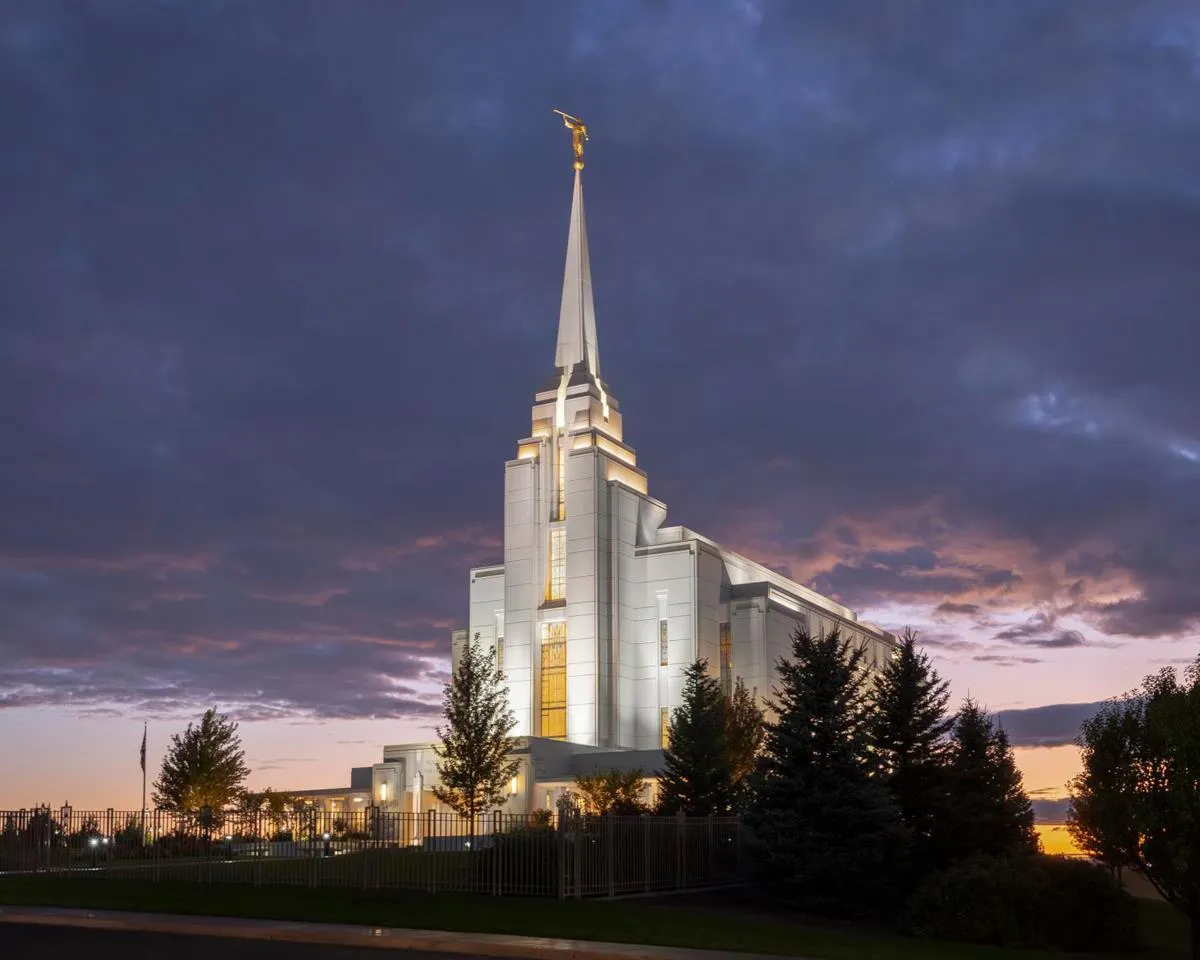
900	298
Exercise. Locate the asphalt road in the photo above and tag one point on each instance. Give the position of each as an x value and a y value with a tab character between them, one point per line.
27	942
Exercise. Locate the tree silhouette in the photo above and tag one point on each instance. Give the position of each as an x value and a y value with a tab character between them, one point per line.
1138	797
824	829
991	814
907	726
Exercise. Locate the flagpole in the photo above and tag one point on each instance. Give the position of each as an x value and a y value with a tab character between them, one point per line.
143	782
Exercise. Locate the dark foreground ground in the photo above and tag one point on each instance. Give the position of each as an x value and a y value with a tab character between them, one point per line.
716	920
37	942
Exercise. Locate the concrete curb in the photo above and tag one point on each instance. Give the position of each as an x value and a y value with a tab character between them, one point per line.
393	938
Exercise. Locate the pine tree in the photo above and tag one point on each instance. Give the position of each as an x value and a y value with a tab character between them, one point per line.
697	778
907	727
825	831
474	762
203	771
744	734
990	813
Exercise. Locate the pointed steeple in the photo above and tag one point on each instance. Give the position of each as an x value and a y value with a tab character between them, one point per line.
577	316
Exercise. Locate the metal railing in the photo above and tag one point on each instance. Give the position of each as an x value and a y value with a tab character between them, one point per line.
568	856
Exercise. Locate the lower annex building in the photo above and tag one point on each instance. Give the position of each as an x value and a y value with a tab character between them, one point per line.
599	605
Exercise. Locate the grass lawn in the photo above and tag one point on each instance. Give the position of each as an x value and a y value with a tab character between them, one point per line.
681	924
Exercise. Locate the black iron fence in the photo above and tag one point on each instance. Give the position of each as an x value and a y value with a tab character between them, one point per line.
573	855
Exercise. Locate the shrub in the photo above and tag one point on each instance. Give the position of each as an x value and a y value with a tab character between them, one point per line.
1030	901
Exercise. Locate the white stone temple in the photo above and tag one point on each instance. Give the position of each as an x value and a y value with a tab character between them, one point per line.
599	605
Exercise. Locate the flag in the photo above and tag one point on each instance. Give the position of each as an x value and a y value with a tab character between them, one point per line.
143	748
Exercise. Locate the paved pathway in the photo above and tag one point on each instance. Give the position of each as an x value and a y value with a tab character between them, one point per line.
344	935
41	941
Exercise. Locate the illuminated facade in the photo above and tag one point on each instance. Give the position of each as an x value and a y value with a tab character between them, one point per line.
599	606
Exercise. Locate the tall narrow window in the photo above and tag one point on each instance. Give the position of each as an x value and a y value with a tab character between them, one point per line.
726	661
663	645
560	482
664	727
556	581
554	680
500	639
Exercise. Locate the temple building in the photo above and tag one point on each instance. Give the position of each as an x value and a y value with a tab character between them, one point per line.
599	605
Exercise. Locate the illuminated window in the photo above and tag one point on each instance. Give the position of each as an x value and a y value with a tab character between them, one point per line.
663	646
726	661
554	680
664	727
560	484
556	582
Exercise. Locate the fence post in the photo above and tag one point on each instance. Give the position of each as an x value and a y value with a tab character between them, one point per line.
712	849
680	850
560	844
155	848
431	853
649	827
577	835
610	854
110	819
495	848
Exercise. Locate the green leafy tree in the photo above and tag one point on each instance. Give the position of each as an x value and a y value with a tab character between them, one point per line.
204	770
474	762
1157	768
907	726
697	777
824	829
744	733
990	814
613	791
1102	819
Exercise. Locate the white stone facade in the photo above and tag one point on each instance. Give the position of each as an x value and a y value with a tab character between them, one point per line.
585	548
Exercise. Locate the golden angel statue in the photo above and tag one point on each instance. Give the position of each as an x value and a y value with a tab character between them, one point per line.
579	135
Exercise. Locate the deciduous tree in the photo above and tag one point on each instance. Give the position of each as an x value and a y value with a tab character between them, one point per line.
744	733
1137	801
474	756
613	791
204	770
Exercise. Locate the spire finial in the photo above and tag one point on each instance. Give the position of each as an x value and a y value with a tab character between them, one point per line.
579	134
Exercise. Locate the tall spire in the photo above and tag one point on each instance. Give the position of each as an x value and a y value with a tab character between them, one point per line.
577	316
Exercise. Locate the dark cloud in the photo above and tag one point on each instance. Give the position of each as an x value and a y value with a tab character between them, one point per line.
271	330
1050	726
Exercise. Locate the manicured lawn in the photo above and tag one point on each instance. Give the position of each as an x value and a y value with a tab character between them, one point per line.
662	922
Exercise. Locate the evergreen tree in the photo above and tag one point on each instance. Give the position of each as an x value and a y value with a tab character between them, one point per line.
825	830
744	734
907	727
474	762
990	813
697	777
203	771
